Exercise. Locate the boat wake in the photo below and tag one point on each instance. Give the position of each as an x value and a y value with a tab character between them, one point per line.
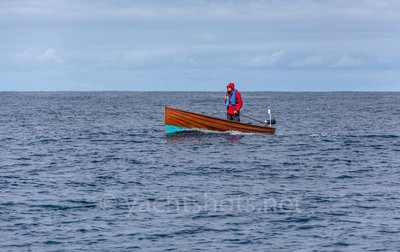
230	132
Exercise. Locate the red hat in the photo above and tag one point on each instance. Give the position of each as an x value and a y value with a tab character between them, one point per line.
231	85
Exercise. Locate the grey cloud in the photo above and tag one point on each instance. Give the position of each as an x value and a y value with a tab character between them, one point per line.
311	61
349	62
200	38
45	56
265	60
200	10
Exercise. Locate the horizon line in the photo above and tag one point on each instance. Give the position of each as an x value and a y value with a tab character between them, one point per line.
201	91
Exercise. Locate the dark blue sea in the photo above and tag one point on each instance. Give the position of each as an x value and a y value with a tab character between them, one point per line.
95	171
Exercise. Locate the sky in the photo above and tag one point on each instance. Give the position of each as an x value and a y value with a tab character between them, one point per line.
199	45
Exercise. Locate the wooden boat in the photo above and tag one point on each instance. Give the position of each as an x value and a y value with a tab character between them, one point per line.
179	120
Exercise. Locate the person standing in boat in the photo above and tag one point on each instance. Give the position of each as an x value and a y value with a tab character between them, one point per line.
233	102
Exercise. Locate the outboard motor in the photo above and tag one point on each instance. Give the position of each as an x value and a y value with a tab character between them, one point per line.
269	121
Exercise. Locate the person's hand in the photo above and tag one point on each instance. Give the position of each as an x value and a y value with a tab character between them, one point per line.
236	112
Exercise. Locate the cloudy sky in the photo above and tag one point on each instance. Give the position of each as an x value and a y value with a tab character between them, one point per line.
286	45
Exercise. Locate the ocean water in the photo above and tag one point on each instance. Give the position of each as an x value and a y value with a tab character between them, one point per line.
96	172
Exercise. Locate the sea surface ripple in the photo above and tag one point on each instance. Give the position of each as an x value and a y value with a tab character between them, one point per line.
95	171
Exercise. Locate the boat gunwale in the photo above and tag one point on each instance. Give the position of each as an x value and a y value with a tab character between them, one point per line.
245	127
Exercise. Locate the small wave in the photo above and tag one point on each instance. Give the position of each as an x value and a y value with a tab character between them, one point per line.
66	207
239	241
45	141
344	177
229	132
389	231
366	207
51	242
206	132
300	219
24	164
384	136
51	206
319	135
238	133
305	227
6	139
341	244
39	155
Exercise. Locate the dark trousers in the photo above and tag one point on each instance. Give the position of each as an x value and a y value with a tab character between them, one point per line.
235	117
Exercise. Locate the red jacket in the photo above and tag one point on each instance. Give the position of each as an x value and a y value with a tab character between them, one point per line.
239	103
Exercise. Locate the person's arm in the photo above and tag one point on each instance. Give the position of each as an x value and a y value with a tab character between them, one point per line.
239	102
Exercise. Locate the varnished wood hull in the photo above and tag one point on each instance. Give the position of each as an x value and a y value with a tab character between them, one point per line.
185	119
